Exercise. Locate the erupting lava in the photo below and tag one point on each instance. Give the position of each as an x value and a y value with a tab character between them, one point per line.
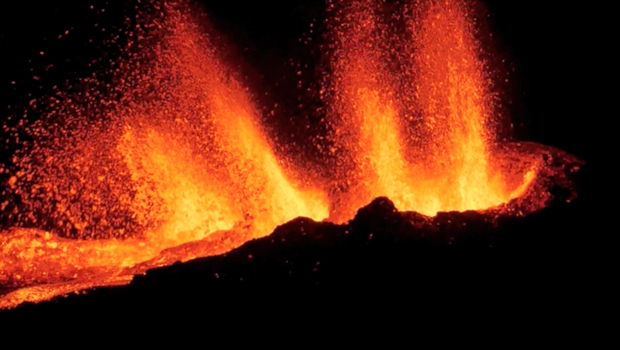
198	155
445	162
176	165
181	158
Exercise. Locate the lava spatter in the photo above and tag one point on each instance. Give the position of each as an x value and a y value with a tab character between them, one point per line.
205	129
181	155
447	164
365	120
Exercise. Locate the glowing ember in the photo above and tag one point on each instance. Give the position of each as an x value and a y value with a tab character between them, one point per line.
172	163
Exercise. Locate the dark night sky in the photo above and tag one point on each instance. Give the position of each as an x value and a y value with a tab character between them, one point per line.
549	46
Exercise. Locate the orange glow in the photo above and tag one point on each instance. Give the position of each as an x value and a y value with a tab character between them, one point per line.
446	165
199	181
179	166
182	167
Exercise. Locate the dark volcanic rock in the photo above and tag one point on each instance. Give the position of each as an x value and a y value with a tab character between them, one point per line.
381	259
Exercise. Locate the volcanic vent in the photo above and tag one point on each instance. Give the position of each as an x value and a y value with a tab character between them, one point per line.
170	161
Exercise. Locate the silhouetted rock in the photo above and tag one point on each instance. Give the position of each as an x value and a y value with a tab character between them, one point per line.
381	257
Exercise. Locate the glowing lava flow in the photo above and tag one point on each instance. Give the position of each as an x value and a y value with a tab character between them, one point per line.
182	160
445	163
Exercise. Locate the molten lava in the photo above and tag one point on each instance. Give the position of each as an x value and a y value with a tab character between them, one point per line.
202	163
445	163
176	165
178	162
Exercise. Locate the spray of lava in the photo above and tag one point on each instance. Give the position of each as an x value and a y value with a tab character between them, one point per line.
174	164
182	156
434	154
198	154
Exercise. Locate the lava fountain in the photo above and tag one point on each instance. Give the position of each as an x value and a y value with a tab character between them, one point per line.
435	153
169	161
180	158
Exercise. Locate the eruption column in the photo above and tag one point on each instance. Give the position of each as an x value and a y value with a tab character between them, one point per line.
183	157
367	127
453	95
210	166
438	160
